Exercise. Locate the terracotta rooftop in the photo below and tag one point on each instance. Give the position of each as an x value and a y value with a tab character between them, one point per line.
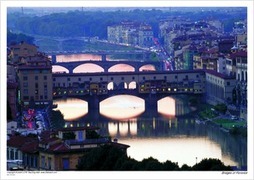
19	141
215	73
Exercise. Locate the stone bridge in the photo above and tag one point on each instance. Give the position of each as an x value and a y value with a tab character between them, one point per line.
106	65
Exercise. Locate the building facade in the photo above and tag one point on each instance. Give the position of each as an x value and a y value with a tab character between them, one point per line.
35	81
219	87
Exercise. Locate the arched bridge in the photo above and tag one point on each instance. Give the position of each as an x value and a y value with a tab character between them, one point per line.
106	65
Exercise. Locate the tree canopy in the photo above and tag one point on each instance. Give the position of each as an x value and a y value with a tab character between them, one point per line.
94	23
108	157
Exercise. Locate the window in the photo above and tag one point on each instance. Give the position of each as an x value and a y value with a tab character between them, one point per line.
79	79
144	78
36	78
112	78
25	84
80	135
228	83
176	77
25	78
133	78
66	163
68	79
49	163
26	97
25	91
45	77
43	163
54	79
36	85
16	154
12	154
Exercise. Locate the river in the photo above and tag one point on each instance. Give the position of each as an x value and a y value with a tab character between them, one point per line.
166	133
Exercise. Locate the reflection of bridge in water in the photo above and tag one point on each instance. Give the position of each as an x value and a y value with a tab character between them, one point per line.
144	127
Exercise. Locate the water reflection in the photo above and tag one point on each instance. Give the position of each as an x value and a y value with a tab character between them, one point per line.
174	138
166	106
181	149
72	108
122	107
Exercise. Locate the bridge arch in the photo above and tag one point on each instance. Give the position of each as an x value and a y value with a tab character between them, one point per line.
111	86
132	85
147	67
88	68
121	68
59	69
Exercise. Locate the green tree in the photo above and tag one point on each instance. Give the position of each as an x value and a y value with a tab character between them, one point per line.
221	108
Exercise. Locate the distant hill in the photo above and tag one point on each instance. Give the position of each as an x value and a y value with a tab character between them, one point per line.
94	22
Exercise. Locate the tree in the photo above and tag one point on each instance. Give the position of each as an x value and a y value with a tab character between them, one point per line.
211	165
102	158
221	108
57	120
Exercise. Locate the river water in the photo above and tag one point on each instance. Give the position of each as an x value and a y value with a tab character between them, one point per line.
167	133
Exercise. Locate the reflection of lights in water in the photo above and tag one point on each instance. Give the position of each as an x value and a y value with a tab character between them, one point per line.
166	106
123	128
122	107
72	108
154	123
133	128
112	129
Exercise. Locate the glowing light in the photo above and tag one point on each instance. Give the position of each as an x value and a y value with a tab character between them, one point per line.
122	107
72	108
166	106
